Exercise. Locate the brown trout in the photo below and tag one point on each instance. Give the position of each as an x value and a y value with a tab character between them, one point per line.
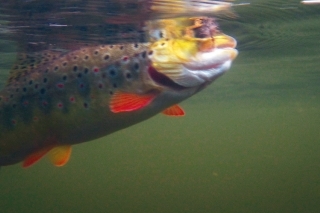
53	100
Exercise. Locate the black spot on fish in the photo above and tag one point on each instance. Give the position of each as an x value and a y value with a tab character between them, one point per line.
86	57
86	70
112	72
75	68
42	91
64	78
56	68
128	76
64	64
24	89
45	80
30	82
106	57
114	85
144	54
136	66
96	52
79	75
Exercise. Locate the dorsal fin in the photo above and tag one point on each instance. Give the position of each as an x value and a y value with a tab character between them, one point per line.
28	62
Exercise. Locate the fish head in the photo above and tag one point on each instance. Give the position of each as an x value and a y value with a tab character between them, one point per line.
193	62
170	71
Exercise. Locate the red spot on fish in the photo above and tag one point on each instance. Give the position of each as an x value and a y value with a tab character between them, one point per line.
81	86
72	99
60	105
125	58
100	86
96	69
60	85
14	122
35	119
44	103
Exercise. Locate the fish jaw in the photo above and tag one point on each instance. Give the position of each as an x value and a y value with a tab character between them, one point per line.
194	62
207	67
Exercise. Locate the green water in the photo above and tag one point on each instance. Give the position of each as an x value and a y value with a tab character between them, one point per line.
250	143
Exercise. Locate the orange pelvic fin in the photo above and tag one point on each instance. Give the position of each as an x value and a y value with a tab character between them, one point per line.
174	110
60	155
126	102
35	157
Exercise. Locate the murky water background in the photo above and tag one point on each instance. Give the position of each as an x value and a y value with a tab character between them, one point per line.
249	143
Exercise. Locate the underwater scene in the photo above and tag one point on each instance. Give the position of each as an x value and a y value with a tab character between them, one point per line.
169	106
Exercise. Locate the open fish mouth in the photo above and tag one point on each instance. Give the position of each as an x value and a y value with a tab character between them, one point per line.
199	64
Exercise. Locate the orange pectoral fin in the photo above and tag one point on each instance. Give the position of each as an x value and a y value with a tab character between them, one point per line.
174	110
126	102
35	157
60	155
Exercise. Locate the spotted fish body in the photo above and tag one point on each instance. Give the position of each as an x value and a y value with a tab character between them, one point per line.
61	99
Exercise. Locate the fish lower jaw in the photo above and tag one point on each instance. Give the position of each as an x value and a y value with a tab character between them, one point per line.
206	76
207	67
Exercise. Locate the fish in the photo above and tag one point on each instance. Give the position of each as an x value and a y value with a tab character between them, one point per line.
55	99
